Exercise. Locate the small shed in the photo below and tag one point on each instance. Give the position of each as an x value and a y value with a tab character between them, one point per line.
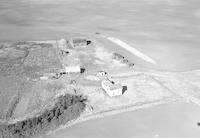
101	74
44	78
111	88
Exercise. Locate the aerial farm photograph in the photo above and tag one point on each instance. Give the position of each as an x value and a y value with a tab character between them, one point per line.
99	69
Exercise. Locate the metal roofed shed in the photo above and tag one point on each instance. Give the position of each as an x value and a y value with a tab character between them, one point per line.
74	69
79	41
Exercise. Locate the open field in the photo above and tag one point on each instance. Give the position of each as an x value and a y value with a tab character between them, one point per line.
156	28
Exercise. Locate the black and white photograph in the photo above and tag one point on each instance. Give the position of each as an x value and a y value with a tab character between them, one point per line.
99	68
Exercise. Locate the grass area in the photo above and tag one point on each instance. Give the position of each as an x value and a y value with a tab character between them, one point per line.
20	64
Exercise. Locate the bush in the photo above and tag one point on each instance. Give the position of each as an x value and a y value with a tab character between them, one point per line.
130	65
117	56
123	60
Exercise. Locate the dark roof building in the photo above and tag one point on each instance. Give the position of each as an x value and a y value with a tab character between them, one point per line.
78	42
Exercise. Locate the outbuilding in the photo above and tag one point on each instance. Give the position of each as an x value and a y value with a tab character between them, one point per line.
79	41
44	78
101	74
72	69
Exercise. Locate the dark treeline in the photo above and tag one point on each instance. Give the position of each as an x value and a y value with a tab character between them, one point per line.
67	107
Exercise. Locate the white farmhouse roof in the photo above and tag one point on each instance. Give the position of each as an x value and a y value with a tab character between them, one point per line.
111	89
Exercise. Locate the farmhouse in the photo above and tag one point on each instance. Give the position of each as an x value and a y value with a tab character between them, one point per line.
79	41
111	88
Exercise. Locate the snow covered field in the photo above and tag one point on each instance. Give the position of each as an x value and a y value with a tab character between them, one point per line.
162	121
165	30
